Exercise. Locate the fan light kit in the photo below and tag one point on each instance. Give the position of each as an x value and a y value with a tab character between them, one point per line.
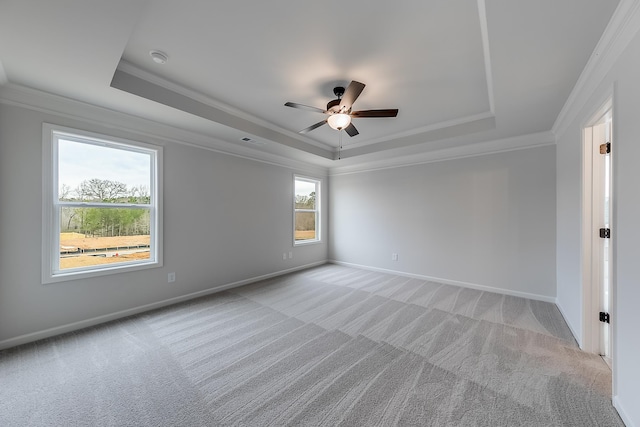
339	110
339	121
159	57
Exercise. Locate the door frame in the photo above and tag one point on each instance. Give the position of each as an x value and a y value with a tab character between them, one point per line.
591	245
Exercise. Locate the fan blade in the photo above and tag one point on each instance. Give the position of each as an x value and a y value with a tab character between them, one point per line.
351	130
375	113
352	93
312	127
306	107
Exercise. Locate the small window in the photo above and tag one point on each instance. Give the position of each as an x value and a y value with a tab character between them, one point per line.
101	205
306	210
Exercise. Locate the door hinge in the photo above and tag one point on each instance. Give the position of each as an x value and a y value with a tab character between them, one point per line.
605	148
605	233
604	317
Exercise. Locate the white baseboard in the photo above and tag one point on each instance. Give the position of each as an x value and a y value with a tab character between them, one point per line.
625	418
576	336
451	282
69	327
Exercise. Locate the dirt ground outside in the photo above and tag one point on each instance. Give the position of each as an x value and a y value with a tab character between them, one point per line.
305	234
70	243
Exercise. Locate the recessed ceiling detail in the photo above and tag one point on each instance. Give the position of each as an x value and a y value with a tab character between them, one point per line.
460	73
430	64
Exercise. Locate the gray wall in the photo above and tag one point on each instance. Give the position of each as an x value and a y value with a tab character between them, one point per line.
624	76
486	221
226	219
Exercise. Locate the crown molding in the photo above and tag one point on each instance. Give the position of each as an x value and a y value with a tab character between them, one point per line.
36	100
622	27
139	82
48	103
128	68
522	142
425	133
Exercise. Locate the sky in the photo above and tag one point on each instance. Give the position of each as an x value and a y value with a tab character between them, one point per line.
78	162
304	188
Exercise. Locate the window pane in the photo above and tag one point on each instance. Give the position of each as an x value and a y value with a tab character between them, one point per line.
98	236
98	173
105	205
305	226
305	195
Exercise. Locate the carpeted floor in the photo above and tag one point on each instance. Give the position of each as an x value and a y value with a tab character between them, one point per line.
322	347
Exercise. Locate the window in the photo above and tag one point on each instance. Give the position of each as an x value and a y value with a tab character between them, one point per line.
306	210
101	208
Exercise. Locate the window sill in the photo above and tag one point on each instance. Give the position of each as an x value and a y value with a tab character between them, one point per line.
306	242
87	274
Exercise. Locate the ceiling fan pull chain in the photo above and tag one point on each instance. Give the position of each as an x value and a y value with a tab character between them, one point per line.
340	148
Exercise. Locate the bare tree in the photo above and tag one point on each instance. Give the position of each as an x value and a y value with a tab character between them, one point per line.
65	192
139	194
103	190
106	221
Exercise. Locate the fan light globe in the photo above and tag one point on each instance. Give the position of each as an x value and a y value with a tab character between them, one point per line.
339	121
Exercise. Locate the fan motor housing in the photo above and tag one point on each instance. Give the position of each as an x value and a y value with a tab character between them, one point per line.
333	106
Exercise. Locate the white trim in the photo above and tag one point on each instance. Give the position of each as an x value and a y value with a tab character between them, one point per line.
144	89
36	100
50	272
614	239
622	27
623	414
317	210
591	220
490	113
421	130
127	69
469	285
524	142
74	326
131	69
587	300
566	318
48	103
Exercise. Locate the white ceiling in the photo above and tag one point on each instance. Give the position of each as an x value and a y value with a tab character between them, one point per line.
460	72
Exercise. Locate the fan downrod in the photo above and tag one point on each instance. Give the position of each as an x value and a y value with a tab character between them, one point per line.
334	104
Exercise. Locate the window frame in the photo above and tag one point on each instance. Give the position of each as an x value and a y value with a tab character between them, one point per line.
317	210
52	206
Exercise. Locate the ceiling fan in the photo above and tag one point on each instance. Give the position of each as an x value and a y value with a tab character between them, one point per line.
339	110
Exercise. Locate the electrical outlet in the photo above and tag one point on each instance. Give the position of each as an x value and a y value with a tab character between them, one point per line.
394	257
290	255
171	277
284	255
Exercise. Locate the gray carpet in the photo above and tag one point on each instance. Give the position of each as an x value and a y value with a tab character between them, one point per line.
324	347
